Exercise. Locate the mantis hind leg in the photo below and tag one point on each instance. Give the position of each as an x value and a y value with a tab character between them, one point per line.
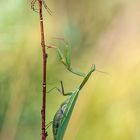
49	124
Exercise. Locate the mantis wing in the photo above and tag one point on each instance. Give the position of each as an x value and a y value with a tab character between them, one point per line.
67	115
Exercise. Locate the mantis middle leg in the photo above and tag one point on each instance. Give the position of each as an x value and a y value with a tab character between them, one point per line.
62	91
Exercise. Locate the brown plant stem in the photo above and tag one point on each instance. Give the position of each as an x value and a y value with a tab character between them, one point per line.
45	55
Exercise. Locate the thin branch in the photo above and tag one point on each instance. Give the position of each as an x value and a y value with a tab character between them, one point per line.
45	55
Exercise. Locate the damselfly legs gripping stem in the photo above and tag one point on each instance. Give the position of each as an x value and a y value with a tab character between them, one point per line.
33	7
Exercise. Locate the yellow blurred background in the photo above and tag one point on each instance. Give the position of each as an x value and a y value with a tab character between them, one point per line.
105	33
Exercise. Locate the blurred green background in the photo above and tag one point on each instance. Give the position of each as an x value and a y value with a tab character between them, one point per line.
106	33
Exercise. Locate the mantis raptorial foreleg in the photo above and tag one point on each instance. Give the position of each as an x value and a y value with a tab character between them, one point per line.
66	60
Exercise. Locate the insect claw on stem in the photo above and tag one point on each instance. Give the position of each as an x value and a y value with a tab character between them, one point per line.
46	134
46	55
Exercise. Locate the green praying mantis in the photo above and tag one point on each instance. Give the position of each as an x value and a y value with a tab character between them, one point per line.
62	116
